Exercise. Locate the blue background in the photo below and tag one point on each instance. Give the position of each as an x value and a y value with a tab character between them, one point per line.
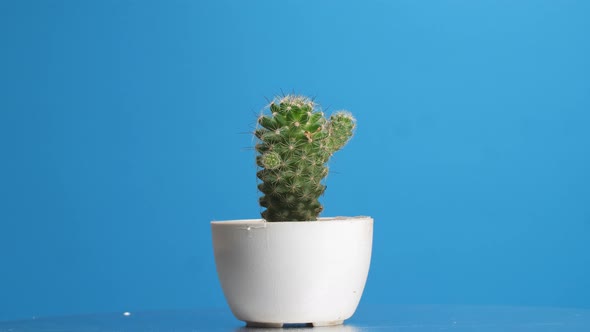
124	131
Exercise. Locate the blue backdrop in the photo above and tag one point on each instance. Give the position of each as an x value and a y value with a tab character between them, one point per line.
124	131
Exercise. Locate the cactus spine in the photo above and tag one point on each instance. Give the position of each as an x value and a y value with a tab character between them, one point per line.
295	141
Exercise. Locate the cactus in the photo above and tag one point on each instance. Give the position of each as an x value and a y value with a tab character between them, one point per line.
295	141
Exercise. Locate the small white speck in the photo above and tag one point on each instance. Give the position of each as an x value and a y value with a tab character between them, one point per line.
249	228
126	313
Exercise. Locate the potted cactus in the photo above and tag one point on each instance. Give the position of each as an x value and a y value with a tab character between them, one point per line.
291	266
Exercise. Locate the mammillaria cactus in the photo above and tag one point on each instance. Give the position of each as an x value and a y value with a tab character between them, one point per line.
295	141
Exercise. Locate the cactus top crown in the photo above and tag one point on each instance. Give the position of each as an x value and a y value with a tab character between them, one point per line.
295	141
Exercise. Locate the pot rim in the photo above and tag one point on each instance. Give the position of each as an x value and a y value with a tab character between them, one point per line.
322	220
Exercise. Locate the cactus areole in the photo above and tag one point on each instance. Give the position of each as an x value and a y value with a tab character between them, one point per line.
295	142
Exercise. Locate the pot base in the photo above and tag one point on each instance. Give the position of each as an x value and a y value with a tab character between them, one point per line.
279	325
264	325
329	323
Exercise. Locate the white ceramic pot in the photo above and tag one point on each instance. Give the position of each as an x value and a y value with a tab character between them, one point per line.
275	273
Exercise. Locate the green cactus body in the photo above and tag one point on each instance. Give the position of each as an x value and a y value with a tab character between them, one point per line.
295	142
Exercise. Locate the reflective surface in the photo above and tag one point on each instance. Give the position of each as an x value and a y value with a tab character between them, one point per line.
367	318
